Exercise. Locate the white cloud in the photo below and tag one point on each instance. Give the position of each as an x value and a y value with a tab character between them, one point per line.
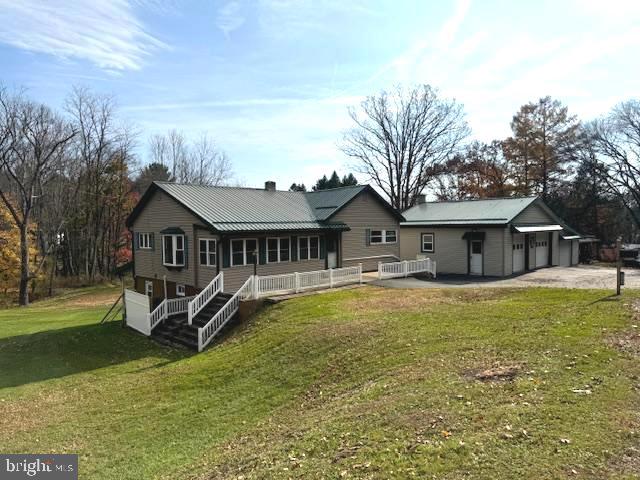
230	17
104	32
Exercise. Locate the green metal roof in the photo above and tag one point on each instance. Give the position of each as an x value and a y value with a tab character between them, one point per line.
234	209
467	212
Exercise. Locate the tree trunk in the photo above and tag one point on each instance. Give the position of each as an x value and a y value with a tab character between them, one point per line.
23	298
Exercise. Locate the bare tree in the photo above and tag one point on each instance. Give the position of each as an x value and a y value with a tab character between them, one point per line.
401	139
33	141
617	139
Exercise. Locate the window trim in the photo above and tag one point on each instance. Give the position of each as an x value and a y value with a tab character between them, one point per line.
278	249
147	244
244	251
180	286
383	236
308	237
174	245
208	252
433	242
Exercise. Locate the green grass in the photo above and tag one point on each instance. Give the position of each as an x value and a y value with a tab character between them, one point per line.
365	383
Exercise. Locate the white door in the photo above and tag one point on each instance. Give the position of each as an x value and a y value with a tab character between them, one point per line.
148	288
518	252
542	249
332	259
475	264
564	253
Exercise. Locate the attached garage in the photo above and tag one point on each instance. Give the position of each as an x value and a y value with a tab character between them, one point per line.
568	250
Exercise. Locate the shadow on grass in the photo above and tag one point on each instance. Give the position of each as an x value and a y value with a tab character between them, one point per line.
52	354
609	298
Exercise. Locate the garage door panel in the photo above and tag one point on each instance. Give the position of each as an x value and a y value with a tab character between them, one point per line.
542	250
518	252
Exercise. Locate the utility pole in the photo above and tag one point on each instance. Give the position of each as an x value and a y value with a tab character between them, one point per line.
618	264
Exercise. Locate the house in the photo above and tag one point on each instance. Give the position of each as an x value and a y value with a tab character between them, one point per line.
184	235
494	237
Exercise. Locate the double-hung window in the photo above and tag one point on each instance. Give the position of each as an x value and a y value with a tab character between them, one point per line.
278	250
427	243
173	250
377	237
208	252
309	248
243	251
144	241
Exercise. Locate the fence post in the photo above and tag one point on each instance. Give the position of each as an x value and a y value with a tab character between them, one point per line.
256	287
331	278
360	272
297	282
379	270
404	269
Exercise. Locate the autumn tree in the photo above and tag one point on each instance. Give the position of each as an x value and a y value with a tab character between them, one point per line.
542	146
33	143
400	139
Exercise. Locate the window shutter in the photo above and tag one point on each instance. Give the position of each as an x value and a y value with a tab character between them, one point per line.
262	251
135	241
367	240
323	247
186	252
152	242
294	249
226	253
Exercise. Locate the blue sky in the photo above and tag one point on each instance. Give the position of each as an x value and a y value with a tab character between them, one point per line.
271	80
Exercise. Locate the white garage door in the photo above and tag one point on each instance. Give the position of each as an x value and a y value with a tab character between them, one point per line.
564	253
542	249
518	252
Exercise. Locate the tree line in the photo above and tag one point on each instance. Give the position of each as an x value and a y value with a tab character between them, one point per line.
410	140
69	179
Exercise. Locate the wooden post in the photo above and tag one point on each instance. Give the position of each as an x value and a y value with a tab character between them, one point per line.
164	279
379	270
331	278
618	264
297	277
360	272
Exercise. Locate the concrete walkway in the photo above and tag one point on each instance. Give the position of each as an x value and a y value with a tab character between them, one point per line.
582	276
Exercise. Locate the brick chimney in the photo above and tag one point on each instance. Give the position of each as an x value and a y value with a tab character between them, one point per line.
270	186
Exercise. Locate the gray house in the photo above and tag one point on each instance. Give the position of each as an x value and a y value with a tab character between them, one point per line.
184	235
497	237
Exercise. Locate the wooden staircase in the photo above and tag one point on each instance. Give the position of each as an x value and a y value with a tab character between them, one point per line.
175	330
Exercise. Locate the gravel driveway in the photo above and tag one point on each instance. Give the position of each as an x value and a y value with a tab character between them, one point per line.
583	276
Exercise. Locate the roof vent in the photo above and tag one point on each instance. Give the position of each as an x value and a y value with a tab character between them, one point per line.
270	186
421	199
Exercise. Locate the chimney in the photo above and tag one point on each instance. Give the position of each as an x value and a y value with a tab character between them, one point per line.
421	199
270	186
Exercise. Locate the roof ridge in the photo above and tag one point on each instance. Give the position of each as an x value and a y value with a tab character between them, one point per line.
526	197
229	187
336	188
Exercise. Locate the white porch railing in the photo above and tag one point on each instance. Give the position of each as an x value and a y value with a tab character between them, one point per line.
213	326
406	268
167	307
296	282
199	301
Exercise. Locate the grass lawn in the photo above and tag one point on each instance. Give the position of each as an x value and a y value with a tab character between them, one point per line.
363	383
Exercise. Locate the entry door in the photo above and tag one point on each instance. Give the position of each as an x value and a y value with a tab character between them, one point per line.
148	288
542	249
475	264
518	252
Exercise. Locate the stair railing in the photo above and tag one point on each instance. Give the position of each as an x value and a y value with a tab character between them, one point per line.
200	301
213	326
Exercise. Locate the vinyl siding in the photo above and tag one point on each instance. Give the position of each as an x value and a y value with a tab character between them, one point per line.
162	212
575	252
508	252
363	213
533	214
451	250
554	240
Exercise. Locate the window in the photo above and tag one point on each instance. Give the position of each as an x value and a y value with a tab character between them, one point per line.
180	290
243	251
278	250
427	243
382	236
208	252
173	250
390	236
148	288
309	248
144	241
476	248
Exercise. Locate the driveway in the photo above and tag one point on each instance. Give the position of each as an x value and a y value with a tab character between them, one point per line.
583	276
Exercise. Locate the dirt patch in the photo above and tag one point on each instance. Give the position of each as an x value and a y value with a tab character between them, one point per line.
496	373
31	415
628	341
94	300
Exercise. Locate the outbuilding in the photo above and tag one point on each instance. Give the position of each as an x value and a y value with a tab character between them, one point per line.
490	237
